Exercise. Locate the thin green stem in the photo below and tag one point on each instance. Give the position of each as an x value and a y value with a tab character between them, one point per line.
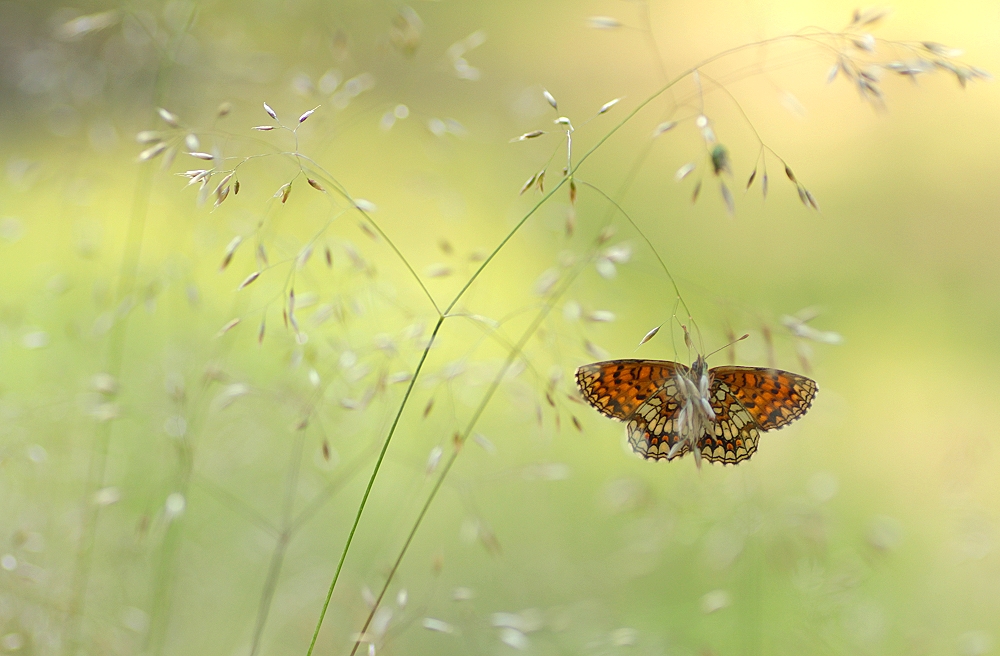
102	437
457	298
646	239
371	483
513	355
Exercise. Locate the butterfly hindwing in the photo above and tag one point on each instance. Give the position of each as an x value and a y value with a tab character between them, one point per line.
734	433
652	429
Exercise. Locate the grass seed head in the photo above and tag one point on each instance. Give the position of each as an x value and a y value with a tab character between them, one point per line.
608	105
169	117
650	335
664	127
549	98
603	23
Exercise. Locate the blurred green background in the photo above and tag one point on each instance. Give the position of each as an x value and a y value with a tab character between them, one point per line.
169	487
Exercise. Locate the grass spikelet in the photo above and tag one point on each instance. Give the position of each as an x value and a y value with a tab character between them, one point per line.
603	23
230	251
549	98
249	279
315	185
666	126
527	185
169	117
727	196
152	152
307	114
221	195
226	328
650	335
270	112
148	137
485	443
811	199
608	105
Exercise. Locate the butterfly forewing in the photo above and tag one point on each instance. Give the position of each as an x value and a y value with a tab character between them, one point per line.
617	388
773	397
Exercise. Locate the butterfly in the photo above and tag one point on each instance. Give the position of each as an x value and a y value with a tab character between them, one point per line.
670	408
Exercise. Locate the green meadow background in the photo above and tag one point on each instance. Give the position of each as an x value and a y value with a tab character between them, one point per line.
171	487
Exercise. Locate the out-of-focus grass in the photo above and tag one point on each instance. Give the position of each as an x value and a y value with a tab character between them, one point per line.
869	526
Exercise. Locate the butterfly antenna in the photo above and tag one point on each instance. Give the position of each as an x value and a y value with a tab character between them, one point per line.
725	346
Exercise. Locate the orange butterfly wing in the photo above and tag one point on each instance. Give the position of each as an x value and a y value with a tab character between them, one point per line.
774	398
617	388
745	400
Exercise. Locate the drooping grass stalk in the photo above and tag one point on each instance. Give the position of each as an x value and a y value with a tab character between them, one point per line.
475	275
816	37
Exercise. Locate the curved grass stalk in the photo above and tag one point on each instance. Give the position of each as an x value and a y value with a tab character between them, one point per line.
814	38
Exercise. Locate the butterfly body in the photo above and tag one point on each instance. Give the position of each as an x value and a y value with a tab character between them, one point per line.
670	408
